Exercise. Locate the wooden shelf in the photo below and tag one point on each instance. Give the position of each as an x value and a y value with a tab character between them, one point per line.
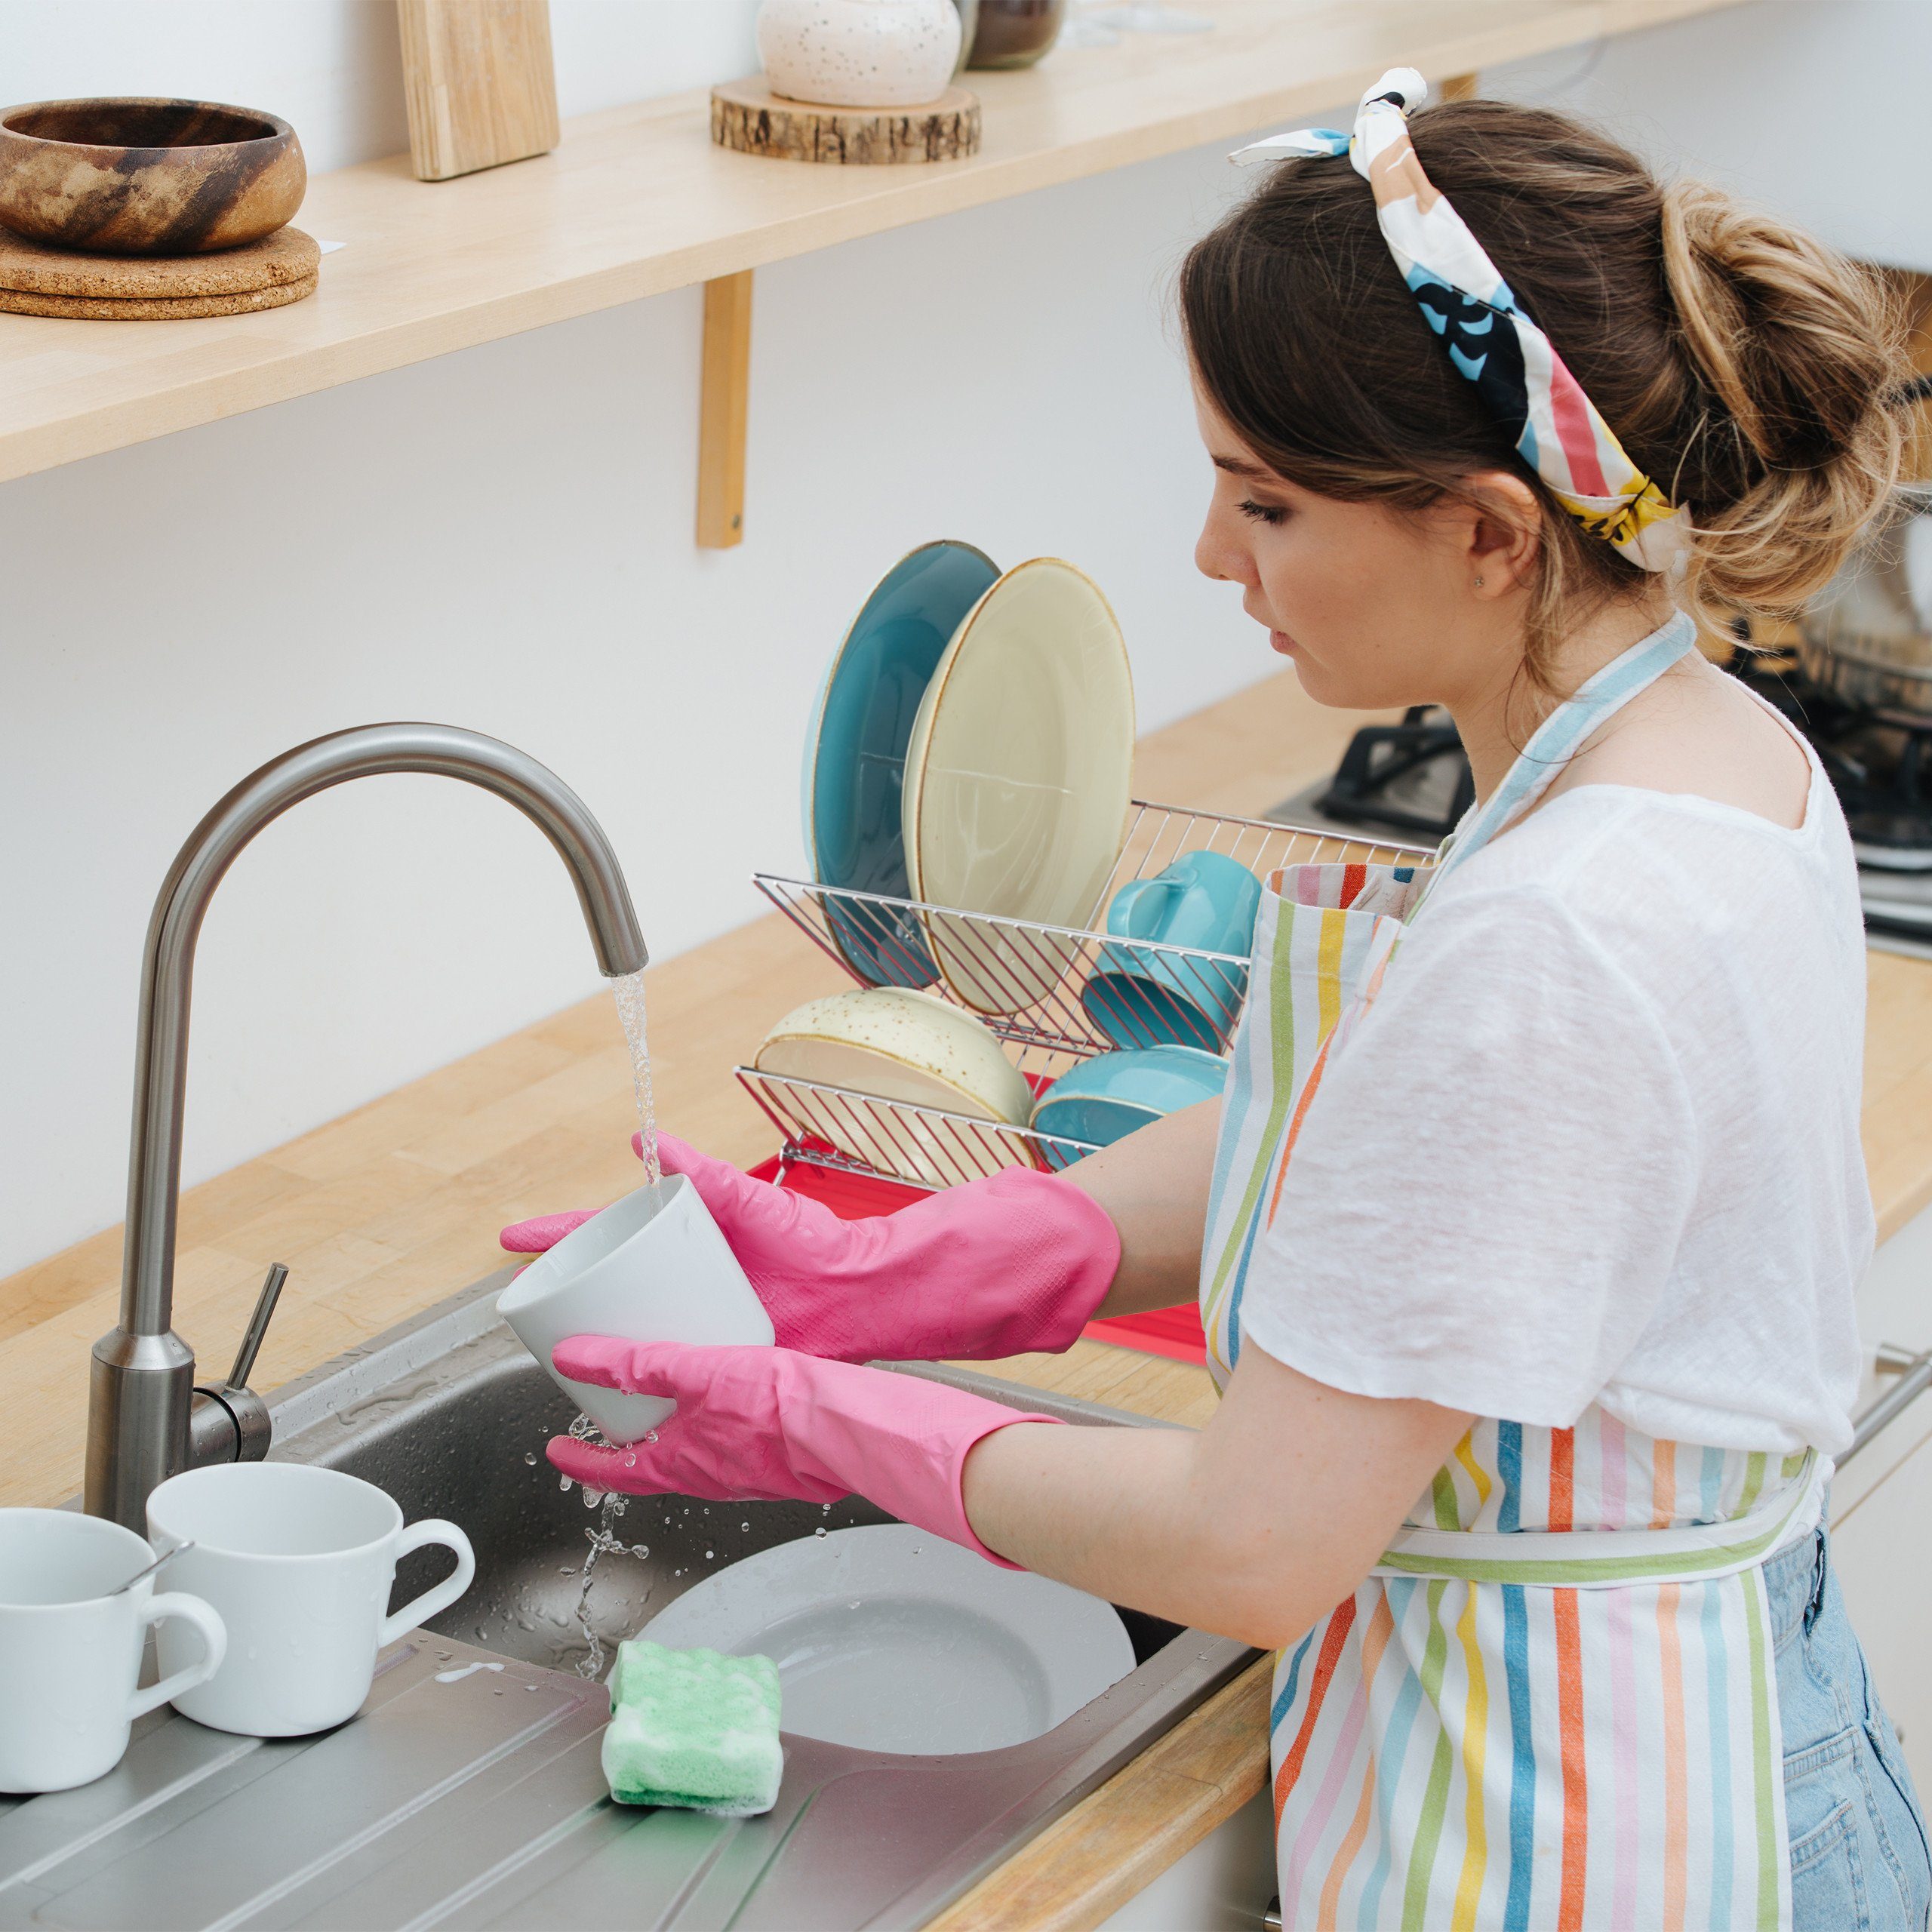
637	201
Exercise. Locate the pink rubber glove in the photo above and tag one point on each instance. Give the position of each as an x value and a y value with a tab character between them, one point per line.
770	1425
1016	1261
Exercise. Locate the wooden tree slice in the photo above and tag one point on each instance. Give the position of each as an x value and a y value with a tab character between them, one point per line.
747	116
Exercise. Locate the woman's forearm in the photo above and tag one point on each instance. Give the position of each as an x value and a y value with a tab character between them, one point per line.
1154	1184
1216	1528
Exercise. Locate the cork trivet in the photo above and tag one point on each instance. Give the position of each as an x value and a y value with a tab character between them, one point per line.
138	309
32	268
748	116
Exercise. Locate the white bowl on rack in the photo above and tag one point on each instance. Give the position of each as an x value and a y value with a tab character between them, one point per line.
909	1051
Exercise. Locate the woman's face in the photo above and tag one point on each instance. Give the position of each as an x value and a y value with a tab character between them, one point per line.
1373	605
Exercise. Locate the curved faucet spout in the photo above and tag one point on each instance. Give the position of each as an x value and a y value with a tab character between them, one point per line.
143	1373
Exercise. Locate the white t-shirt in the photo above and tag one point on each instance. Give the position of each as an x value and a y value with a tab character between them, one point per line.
1597	1138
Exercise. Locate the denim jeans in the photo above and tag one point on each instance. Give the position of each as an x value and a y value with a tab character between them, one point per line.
1859	1860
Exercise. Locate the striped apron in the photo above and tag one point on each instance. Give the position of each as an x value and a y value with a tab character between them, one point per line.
1553	1703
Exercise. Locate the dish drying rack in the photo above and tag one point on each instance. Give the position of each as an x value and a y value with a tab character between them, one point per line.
1040	977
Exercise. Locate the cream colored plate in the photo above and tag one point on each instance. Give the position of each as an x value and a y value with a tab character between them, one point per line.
1017	780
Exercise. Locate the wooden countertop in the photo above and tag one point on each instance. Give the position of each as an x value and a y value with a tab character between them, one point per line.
636	201
390	1208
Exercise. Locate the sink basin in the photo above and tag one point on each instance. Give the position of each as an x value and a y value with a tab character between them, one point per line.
468	1792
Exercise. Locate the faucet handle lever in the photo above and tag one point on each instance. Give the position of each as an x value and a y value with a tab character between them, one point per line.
258	1326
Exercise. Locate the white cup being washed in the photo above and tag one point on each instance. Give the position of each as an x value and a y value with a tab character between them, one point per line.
298	1560
71	1639
650	1268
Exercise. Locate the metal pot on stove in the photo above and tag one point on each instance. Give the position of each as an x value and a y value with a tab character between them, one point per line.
1867	636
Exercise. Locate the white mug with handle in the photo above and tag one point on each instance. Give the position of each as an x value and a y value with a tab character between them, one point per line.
298	1560
74	1612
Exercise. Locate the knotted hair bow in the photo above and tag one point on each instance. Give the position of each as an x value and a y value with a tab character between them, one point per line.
1516	372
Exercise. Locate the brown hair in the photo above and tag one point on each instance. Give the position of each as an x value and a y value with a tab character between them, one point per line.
1747	368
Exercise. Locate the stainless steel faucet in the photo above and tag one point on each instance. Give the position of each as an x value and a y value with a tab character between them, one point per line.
144	1421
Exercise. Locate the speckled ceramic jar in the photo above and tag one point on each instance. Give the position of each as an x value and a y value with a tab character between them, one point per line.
858	53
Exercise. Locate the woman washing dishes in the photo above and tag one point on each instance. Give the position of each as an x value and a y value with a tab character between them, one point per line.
1527	1234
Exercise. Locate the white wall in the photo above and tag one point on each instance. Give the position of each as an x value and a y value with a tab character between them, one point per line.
501	539
1816	108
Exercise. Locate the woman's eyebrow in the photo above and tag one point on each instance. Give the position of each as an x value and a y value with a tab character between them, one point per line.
1236	467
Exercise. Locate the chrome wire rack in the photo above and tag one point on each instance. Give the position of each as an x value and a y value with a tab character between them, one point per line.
921	1147
1071	989
1053	994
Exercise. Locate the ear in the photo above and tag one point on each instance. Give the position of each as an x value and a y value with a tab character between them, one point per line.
1503	532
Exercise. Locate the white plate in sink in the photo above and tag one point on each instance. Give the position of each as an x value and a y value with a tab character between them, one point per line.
889	1638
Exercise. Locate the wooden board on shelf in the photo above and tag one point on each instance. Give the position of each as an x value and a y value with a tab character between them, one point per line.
479	82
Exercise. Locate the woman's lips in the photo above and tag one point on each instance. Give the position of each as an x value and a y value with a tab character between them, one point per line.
1281	641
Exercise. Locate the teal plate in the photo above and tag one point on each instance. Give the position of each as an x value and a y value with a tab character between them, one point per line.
855	752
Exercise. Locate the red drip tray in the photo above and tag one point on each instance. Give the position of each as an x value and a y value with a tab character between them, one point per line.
1175	1332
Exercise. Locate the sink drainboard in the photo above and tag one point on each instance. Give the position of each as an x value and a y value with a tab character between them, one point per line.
468	1792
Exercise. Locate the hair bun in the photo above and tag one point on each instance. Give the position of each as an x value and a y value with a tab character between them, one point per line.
1799	354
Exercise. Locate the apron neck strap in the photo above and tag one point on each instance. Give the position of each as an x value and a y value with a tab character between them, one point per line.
1557	738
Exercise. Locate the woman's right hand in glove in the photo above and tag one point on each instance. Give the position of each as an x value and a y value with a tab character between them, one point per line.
1019	1260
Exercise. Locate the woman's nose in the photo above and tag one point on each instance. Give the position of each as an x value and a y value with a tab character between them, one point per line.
1217	554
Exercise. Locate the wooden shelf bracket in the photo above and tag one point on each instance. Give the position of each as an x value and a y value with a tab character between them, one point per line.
723	406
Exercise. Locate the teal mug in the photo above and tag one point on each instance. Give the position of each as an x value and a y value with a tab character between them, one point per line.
1141	997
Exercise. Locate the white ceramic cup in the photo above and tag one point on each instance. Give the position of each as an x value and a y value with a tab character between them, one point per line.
299	1561
71	1637
651	1268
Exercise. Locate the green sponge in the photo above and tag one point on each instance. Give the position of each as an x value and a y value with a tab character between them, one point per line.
694	1728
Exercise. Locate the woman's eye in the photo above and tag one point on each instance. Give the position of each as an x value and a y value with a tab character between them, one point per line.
1269	513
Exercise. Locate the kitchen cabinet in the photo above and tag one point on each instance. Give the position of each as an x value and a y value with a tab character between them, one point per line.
1883	1550
1224	1884
1881	1504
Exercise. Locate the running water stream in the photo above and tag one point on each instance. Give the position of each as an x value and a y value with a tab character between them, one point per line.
628	988
604	1540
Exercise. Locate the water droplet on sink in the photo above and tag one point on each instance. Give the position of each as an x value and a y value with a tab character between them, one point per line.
709	1554
530	1456
819	1531
744	1526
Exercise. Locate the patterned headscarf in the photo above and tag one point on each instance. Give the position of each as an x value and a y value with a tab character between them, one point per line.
1516	371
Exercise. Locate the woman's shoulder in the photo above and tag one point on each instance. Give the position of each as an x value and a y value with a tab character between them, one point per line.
1667	882
1698	733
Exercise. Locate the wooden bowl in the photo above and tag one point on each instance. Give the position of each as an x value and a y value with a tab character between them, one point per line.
147	177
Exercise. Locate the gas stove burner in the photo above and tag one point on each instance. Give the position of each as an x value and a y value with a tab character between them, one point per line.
1879	762
1410	778
1413	778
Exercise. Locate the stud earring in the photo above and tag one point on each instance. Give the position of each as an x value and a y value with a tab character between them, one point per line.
1478	583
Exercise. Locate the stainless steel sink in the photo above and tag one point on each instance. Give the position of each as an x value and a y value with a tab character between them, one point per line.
473	1797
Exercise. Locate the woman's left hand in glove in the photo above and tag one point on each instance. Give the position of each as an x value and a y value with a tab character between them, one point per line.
771	1425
